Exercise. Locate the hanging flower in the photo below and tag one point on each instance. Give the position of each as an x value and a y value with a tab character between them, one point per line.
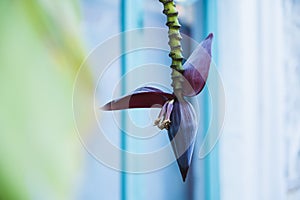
176	115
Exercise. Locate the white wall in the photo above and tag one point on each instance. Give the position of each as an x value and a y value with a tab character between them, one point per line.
251	54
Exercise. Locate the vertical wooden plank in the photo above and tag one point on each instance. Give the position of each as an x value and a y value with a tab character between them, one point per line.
211	162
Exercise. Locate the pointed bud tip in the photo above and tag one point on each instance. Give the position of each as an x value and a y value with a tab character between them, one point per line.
184	172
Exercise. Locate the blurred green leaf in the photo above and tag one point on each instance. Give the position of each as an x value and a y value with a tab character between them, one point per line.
40	54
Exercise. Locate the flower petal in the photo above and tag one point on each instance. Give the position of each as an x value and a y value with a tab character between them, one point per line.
196	68
182	134
144	97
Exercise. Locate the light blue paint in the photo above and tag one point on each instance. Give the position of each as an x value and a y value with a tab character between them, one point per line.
123	182
131	17
211	163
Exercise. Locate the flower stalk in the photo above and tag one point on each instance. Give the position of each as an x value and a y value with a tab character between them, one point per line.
174	34
175	46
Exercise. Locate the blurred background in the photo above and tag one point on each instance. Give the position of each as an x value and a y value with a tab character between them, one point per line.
256	51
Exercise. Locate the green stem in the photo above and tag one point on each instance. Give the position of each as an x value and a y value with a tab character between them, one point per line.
174	34
175	45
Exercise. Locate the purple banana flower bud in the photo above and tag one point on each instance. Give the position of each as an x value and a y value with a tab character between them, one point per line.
182	134
196	68
178	117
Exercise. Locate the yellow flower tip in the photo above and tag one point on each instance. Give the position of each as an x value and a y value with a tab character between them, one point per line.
163	121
